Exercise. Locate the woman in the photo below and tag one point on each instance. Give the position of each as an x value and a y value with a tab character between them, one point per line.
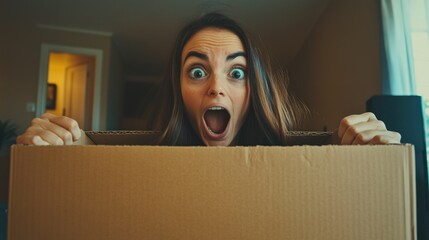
220	90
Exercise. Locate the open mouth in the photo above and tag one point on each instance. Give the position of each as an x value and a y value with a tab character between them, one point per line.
216	119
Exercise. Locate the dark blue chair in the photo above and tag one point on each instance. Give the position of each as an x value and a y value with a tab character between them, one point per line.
405	114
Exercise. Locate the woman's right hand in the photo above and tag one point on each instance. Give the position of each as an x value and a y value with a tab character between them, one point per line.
50	129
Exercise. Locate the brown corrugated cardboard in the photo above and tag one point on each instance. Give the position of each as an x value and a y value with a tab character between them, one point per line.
150	138
152	192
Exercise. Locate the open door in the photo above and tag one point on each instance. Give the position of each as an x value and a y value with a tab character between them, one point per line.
72	75
76	95
54	62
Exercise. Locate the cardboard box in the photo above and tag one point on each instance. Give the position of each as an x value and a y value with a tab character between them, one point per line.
153	192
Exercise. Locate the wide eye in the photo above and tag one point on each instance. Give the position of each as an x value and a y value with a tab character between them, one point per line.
237	73
197	73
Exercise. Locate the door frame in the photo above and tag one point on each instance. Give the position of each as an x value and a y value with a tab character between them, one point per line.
43	78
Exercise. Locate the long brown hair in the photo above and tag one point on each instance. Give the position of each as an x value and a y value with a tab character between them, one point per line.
272	112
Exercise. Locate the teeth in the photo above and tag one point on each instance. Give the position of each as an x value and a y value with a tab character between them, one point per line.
211	131
216	108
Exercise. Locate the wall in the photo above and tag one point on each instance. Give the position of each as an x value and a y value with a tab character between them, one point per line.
20	46
115	99
18	73
338	67
335	72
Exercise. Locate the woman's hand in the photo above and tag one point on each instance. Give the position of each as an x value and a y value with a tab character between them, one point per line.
50	129
365	129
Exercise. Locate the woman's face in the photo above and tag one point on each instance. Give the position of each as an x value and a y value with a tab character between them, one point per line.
214	85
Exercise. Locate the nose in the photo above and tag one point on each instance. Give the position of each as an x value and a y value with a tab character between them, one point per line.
215	87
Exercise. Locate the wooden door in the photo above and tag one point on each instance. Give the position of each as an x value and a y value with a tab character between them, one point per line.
76	94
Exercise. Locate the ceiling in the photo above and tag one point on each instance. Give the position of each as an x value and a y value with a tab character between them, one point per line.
144	30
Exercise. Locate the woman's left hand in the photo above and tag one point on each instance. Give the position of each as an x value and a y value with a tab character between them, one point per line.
365	129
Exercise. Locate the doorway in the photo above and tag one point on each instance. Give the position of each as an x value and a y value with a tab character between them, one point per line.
70	84
71	87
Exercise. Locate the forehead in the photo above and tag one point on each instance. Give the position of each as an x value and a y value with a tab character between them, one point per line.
211	40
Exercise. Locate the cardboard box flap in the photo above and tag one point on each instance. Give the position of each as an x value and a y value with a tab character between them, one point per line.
154	192
123	137
150	138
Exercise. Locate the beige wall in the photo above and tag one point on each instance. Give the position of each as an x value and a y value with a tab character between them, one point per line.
20	47
18	73
338	67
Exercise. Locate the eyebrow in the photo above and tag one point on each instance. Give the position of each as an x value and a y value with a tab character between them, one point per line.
235	55
196	54
205	57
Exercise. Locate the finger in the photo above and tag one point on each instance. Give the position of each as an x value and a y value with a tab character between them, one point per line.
384	140
30	140
352	120
39	124
377	137
50	137
48	116
69	124
360	127
63	121
35	135
43	133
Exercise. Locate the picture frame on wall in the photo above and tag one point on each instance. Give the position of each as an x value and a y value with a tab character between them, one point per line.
51	96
